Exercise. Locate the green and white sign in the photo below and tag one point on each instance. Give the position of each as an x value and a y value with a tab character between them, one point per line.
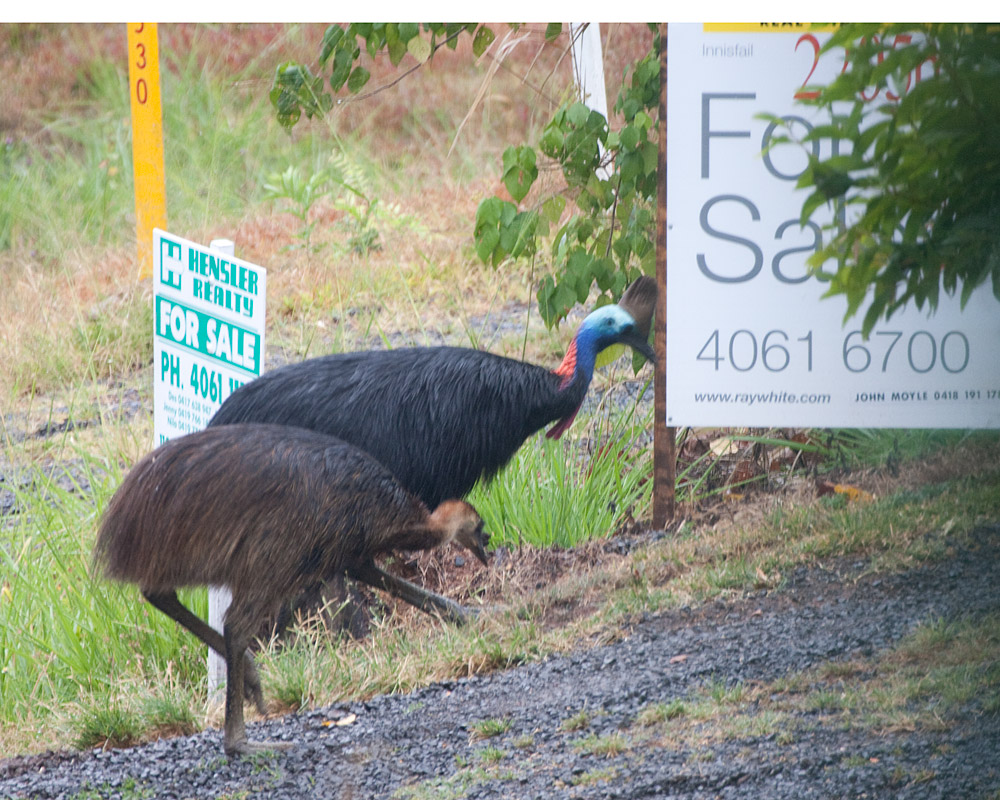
208	331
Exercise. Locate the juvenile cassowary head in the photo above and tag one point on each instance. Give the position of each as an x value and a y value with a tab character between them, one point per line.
459	522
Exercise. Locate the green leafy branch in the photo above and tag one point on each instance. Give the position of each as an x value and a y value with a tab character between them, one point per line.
610	175
918	168
610	178
296	90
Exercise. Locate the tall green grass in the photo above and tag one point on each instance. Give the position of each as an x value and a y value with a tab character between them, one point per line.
555	492
67	637
854	447
73	182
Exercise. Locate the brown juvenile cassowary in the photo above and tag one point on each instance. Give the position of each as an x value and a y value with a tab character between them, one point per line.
441	418
266	510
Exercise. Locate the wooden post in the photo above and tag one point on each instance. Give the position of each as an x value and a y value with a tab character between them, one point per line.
147	139
664	438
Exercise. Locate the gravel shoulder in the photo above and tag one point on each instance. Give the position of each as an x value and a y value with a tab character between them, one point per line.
423	744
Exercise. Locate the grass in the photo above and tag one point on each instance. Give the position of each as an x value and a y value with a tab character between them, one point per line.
488	728
578	721
660	712
608	745
595	777
551	494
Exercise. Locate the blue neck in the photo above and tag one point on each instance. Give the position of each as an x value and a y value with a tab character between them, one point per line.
579	359
586	352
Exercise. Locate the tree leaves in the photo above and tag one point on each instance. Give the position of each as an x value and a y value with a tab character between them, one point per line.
484	38
502	231
340	52
924	169
296	89
610	175
519	171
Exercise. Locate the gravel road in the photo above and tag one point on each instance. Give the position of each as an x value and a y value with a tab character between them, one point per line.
423	744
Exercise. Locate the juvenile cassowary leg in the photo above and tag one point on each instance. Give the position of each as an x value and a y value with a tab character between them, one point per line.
234	735
424	599
170	605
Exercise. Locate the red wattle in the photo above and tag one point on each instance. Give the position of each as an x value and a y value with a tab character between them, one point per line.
561	426
567	369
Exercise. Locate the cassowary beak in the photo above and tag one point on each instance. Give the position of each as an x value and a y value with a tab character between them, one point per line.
636	342
476	543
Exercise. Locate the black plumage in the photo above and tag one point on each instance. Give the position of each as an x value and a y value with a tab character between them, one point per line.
440	418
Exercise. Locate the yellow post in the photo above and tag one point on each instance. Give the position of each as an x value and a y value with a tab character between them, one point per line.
147	139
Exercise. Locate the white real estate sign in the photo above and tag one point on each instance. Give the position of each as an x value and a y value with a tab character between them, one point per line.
208	331
208	340
749	339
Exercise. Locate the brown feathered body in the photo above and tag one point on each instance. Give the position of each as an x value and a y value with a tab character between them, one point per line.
268	511
263	509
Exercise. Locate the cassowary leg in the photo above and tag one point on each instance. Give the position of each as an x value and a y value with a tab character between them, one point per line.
422	598
234	735
170	605
341	606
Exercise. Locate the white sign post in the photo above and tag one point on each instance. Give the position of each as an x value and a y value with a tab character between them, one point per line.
749	339
588	71
208	340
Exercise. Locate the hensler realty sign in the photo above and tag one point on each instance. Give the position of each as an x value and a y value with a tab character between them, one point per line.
208	331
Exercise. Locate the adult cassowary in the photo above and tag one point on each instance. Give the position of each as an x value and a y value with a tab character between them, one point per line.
441	418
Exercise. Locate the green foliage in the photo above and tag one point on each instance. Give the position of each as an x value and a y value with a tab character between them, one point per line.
69	638
552	494
298	194
519	171
914	111
296	89
501	230
344	182
855	448
488	728
99	724
577	722
611	175
78	177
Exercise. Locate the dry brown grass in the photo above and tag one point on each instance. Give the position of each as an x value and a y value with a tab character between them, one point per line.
579	591
416	281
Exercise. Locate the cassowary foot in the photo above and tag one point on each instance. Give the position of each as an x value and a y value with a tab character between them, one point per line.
242	747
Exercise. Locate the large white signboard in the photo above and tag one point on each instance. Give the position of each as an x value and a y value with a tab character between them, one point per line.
208	334
749	341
